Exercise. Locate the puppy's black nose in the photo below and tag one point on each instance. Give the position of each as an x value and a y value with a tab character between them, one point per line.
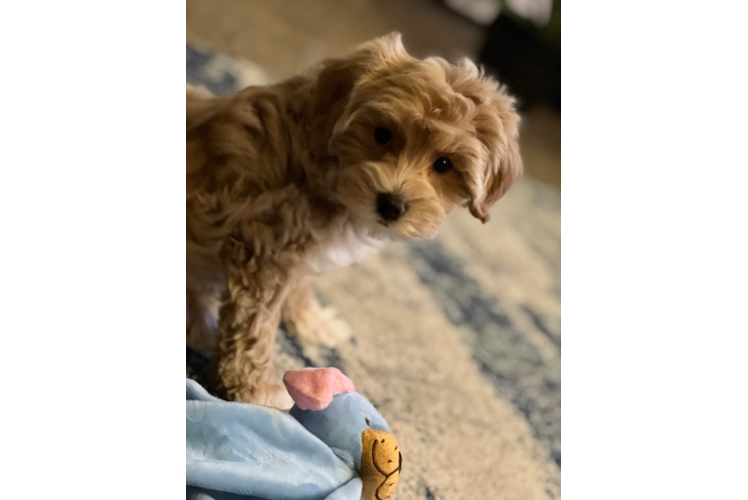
390	206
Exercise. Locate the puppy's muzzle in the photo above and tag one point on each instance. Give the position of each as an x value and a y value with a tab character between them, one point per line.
390	206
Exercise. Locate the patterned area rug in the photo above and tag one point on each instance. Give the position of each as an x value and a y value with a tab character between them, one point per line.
456	341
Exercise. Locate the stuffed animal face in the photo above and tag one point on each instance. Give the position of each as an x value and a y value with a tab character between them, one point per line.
328	406
381	462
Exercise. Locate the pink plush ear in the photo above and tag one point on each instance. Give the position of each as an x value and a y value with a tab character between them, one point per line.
313	388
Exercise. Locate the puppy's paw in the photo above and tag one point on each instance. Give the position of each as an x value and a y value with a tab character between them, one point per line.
266	394
318	326
277	396
198	92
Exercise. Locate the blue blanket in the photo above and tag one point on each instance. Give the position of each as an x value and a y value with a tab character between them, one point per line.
245	451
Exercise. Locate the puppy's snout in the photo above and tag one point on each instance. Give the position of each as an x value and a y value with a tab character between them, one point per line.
390	206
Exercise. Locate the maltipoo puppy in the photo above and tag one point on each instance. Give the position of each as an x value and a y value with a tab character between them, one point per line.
314	173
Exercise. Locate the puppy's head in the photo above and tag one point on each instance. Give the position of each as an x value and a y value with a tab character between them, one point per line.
412	139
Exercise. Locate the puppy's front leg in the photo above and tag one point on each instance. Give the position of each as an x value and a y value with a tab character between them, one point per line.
246	354
248	323
308	321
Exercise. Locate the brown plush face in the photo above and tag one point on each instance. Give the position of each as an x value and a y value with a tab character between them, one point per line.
381	463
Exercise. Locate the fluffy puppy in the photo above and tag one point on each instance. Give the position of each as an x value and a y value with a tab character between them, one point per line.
314	173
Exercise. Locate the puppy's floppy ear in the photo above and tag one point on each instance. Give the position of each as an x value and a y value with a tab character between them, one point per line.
198	92
498	179
504	166
334	84
338	76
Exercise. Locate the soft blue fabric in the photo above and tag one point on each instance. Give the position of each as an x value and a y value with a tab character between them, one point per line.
238	451
351	491
340	425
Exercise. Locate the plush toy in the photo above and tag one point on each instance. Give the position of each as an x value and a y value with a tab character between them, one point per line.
333	444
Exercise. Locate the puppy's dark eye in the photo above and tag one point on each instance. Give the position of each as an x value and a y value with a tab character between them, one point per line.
443	164
382	136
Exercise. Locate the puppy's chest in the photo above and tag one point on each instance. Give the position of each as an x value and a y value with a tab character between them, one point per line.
345	247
